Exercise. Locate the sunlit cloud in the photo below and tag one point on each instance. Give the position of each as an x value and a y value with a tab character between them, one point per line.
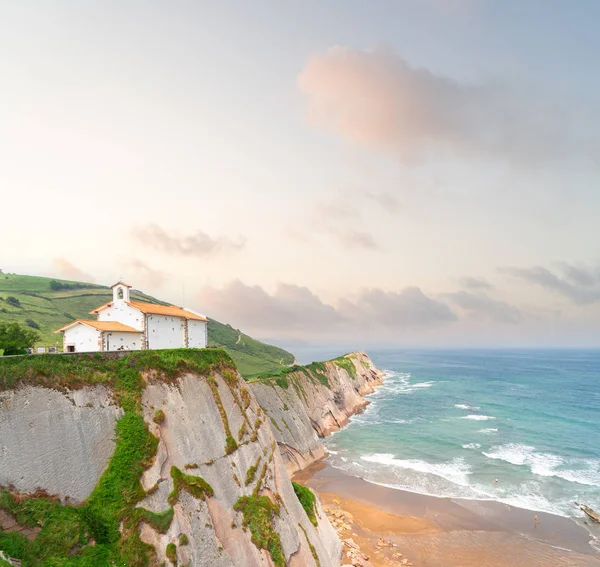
375	98
70	271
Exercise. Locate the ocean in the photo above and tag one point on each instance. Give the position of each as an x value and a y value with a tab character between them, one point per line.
520	427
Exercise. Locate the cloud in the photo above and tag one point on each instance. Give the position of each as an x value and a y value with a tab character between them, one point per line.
295	310
351	238
475	283
198	244
385	200
409	307
338	215
141	271
481	306
70	271
377	99
579	284
291	308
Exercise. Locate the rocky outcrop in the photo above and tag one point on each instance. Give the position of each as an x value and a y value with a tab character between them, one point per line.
46	435
192	437
212	487
311	401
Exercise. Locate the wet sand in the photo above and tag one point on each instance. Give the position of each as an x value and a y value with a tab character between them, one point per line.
442	532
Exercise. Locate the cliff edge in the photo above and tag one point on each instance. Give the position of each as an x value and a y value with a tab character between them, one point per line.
140	459
304	403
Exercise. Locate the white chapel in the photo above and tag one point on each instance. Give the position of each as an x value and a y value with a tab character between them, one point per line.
123	324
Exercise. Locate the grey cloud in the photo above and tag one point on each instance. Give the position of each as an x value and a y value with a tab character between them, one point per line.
579	284
70	271
475	283
481	306
377	99
198	244
409	307
290	308
293	310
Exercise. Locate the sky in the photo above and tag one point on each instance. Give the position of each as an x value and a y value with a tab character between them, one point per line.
407	172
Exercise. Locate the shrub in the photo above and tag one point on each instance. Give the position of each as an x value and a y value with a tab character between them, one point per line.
308	500
171	553
15	339
31	323
159	416
11	300
258	512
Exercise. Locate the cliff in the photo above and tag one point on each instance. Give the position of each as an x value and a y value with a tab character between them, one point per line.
135	459
304	403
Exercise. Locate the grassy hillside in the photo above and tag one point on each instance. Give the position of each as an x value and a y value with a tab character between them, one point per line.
251	355
31	299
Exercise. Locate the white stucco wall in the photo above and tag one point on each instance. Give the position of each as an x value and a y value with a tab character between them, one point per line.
85	339
197	334
129	341
165	332
123	313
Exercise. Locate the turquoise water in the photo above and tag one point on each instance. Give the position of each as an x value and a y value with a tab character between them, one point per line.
449	423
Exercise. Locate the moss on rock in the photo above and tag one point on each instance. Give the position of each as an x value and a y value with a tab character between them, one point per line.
258	513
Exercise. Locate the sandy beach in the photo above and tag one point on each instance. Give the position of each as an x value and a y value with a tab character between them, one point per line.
440	532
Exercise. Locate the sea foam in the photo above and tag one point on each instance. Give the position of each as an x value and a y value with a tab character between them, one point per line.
466	407
478	417
581	471
456	471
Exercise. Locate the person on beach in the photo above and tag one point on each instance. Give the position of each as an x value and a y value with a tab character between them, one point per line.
535	521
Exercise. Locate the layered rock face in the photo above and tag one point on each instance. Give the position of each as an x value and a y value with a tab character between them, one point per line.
314	400
169	455
46	435
193	438
213	488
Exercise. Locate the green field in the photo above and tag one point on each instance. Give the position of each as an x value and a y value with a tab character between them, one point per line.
51	309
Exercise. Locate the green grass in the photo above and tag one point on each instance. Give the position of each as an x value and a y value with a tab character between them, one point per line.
103	530
308	501
194	485
252	357
171	553
160	521
54	309
258	512
346	363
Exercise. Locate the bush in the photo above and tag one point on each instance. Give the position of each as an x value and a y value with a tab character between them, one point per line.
171	553
308	501
15	339
159	417
31	323
13	301
58	286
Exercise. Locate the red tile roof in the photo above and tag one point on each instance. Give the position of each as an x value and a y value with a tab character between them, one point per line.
102	326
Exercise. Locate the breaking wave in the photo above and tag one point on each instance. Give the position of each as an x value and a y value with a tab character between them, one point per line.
456	471
478	417
581	471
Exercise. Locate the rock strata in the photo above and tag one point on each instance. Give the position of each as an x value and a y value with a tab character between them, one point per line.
313	401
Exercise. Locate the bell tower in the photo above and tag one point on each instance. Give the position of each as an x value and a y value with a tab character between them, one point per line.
120	292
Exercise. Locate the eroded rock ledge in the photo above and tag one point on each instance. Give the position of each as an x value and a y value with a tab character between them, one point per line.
308	402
